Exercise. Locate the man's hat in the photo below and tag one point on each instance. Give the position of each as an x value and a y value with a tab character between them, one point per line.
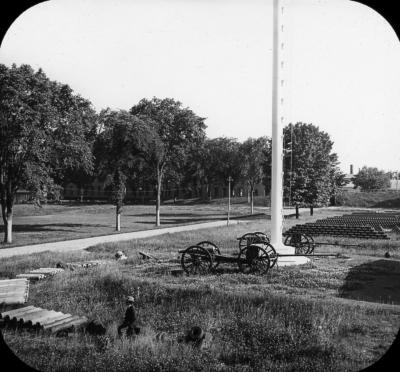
130	299
196	333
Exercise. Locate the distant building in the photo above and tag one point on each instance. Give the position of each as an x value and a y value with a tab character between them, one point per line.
395	181
349	180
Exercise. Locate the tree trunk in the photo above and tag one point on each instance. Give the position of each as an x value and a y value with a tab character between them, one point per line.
118	220
297	211
158	202
3	214
311	210
252	200
7	199
8	228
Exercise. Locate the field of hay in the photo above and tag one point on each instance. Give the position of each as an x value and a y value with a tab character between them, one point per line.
332	314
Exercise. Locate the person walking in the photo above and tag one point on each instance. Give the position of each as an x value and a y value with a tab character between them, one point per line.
129	319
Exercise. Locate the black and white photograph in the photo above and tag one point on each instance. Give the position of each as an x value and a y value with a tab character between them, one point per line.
199	185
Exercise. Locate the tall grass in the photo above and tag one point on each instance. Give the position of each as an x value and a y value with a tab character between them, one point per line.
250	331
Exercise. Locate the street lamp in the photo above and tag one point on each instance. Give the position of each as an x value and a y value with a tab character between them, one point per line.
230	179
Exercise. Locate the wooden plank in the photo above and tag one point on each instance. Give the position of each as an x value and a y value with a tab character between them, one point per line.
18	281
148	256
72	323
15	311
22	316
50	322
49	271
49	318
15	284
31	276
12	300
48	315
19	289
56	323
34	315
13	292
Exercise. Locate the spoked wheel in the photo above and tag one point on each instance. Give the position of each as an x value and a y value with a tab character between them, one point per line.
301	242
312	244
272	255
196	260
249	239
212	249
253	260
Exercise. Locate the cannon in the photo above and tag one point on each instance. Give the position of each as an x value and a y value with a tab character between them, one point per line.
255	259
256	254
303	243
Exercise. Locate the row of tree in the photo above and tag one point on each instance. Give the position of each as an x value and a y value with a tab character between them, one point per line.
49	136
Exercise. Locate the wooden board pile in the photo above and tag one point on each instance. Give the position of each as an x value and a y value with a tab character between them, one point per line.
78	265
38	319
40	273
14	291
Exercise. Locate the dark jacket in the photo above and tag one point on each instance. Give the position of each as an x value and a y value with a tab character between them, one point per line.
130	315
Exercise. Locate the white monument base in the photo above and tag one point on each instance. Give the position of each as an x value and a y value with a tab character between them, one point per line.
291	260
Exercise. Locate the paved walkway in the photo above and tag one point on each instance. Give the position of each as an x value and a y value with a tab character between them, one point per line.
78	244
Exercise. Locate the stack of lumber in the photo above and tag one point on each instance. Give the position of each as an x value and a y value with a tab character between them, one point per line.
38	319
77	265
14	291
40	273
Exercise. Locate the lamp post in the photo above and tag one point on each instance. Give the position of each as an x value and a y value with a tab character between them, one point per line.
230	179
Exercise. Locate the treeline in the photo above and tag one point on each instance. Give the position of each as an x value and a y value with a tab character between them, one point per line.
50	136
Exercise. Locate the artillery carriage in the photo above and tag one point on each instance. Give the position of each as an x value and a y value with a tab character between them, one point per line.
256	254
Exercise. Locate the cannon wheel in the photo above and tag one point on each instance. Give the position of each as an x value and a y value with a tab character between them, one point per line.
253	259
251	238
210	247
273	256
303	243
312	244
196	260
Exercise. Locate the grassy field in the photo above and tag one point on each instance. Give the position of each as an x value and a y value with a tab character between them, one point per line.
332	314
52	222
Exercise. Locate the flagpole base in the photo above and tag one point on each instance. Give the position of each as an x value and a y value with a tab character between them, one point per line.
280	248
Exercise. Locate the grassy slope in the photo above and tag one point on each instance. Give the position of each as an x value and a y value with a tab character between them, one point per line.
296	318
378	199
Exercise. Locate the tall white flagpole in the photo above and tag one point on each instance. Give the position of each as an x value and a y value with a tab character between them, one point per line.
277	125
277	142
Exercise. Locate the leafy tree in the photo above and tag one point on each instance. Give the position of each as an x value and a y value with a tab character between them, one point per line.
253	157
178	130
43	128
310	167
369	179
222	159
81	176
120	148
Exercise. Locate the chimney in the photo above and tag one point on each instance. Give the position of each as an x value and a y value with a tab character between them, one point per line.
351	168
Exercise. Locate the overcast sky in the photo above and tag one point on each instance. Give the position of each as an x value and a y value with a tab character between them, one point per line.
215	56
